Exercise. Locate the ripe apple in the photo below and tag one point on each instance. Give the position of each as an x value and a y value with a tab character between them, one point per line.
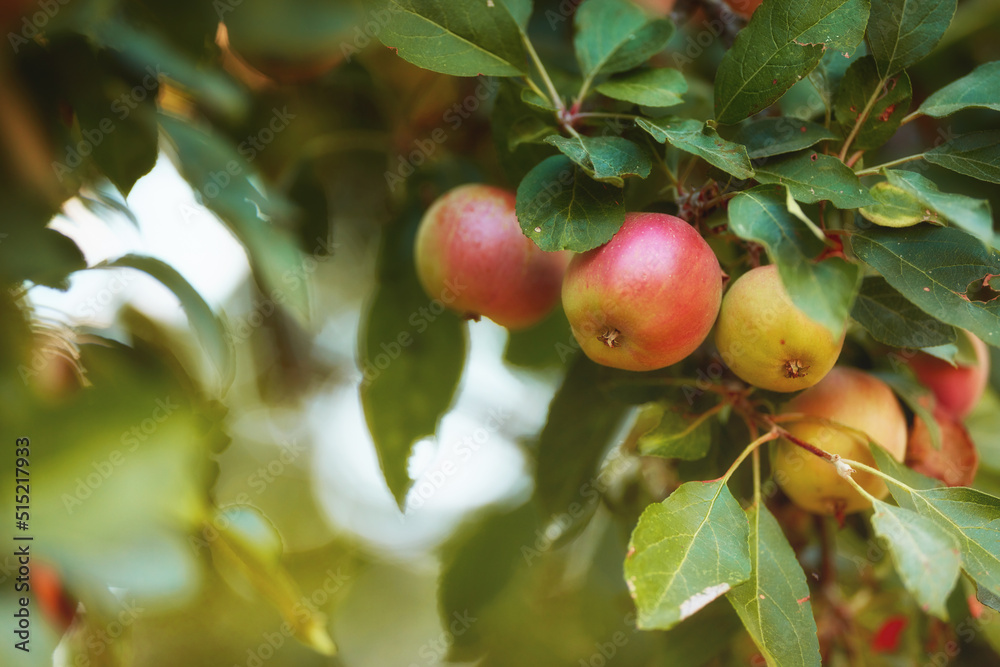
645	299
955	463
744	8
658	7
853	398
957	388
767	341
473	257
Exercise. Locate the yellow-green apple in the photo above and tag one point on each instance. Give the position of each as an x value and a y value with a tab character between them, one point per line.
472	256
957	388
645	299
854	399
767	341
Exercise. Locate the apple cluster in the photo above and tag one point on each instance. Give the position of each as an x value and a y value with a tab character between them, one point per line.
651	296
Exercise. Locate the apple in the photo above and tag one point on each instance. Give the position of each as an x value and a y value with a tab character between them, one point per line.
645	299
657	7
955	463
853	398
957	388
744	8
473	257
767	341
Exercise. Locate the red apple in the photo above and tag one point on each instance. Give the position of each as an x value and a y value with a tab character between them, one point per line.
744	8
955	463
647	298
473	257
957	388
852	398
767	341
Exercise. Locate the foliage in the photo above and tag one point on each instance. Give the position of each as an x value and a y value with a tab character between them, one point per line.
851	143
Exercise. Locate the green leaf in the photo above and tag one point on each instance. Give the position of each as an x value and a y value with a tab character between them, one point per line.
823	290
902	32
533	99
968	213
972	518
397	353
249	545
675	436
548	344
774	136
520	10
222	179
812	177
209	328
774	603
615	35
914	395
461	39
933	267
480	559
656	87
976	155
516	130
859	84
831	69
685	552
891	319
783	43
898	471
581	422
979	90
925	555
991	600
695	137
895	208
606	159
560	207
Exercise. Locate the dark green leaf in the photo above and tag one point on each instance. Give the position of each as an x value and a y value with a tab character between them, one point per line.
462	39
971	214
926	556
893	101
685	552
209	328
582	419
222	179
657	87
831	69
891	319
914	395
933	268
533	99
976	155
607	159
897	470
812	177
615	35
399	352
902	32
774	136
980	89
782	44
823	290
560	207
991	600
516	130
774	604
520	10
675	436
971	517
479	561
548	344
695	137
